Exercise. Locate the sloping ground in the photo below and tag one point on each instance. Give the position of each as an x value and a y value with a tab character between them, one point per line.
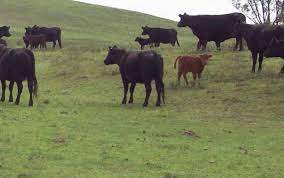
233	123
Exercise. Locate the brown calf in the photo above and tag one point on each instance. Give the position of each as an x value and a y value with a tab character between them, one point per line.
194	64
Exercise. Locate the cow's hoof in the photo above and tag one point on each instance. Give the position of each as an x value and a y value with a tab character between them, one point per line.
145	104
158	104
2	99
17	103
123	102
11	100
130	101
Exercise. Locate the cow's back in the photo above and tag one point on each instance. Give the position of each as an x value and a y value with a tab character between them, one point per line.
215	27
142	66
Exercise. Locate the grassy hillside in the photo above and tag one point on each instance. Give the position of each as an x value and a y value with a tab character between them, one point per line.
78	128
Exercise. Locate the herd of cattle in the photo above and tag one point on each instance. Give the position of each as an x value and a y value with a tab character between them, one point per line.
17	65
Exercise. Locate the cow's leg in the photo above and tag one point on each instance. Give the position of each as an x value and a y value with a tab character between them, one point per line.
254	59
158	89
20	89
142	47
199	78
148	93
125	86
237	44
260	60
178	77
198	46
204	44
282	70
132	88
3	82
54	44
59	42
11	86
30	87
185	78
218	45
194	79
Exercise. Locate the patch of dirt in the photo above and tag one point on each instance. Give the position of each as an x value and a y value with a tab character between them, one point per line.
59	140
190	133
170	175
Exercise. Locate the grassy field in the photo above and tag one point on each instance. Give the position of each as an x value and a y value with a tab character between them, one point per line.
78	128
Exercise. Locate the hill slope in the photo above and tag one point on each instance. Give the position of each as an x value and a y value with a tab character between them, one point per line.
78	128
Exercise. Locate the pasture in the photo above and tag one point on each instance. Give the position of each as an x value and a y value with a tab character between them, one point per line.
230	126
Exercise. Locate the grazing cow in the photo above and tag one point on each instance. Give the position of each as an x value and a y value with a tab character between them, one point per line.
17	65
275	49
138	67
161	35
194	64
3	42
34	41
4	31
217	28
52	34
143	42
258	38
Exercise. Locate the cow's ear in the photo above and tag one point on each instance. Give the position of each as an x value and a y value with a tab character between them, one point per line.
114	47
185	13
180	15
8	27
26	28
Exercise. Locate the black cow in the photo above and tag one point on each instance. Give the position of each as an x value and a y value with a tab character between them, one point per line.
3	42
217	28
161	35
4	31
275	49
52	34
258	38
138	67
143	42
17	65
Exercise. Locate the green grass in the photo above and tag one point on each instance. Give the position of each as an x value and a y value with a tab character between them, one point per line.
78	128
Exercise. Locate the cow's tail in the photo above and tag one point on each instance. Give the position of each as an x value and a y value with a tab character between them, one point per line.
163	91
59	38
160	77
35	83
178	58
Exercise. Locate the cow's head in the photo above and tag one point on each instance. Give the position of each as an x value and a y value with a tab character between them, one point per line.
182	22
275	48
145	30
114	55
204	58
4	31
28	30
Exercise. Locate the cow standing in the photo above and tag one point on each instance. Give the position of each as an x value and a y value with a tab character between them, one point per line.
52	34
275	49
258	38
194	64
138	67
217	28
143	42
161	35
17	65
35	41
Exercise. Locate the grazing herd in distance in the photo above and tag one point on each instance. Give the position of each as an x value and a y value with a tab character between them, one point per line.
17	65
